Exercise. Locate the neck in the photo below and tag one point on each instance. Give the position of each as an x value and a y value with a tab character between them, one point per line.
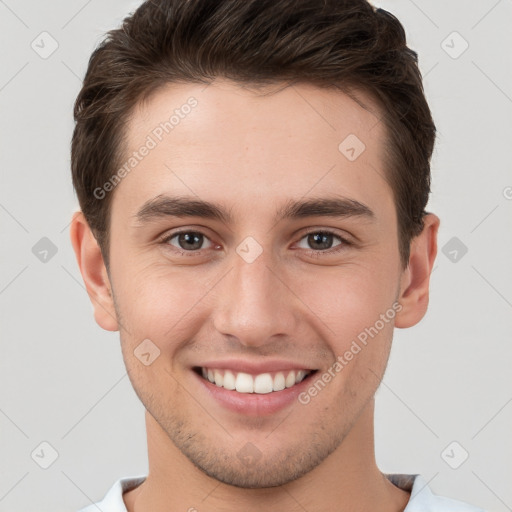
347	480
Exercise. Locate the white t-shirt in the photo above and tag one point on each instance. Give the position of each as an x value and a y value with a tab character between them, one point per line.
422	499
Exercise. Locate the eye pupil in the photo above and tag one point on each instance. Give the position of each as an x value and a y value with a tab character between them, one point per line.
320	238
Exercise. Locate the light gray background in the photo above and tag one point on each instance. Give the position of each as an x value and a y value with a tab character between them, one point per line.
63	380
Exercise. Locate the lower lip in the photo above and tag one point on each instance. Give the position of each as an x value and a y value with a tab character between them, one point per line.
254	404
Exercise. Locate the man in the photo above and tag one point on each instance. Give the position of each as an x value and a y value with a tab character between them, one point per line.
253	176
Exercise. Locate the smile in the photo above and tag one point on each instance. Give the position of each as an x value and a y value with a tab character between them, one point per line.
262	383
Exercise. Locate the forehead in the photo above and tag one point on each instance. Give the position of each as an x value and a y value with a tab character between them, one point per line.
233	143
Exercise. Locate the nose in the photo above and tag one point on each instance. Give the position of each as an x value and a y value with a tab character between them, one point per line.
254	303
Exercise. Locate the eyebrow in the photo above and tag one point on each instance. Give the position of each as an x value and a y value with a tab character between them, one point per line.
163	206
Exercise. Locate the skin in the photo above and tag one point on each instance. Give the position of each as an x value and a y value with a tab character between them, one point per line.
251	154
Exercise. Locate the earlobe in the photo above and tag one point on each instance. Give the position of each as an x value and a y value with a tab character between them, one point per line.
95	276
414	289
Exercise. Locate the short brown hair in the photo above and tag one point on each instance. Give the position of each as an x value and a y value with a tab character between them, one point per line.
346	44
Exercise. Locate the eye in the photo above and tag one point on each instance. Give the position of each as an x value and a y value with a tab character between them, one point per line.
187	241
322	241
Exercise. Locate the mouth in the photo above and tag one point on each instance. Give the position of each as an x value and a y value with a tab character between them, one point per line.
247	383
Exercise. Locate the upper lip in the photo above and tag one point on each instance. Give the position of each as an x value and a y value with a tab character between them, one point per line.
253	367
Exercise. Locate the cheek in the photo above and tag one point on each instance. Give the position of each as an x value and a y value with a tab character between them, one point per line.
348	300
157	299
156	304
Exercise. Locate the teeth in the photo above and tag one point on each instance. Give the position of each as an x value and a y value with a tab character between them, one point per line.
244	383
279	382
229	380
290	380
261	384
219	378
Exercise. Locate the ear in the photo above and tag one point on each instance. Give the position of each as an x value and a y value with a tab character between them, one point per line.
94	273
415	281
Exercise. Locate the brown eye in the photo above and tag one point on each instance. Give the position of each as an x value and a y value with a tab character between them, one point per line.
187	241
321	240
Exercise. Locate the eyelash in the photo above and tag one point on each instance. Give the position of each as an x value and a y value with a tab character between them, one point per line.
315	253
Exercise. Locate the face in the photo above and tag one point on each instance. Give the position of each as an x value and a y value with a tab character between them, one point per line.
279	256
